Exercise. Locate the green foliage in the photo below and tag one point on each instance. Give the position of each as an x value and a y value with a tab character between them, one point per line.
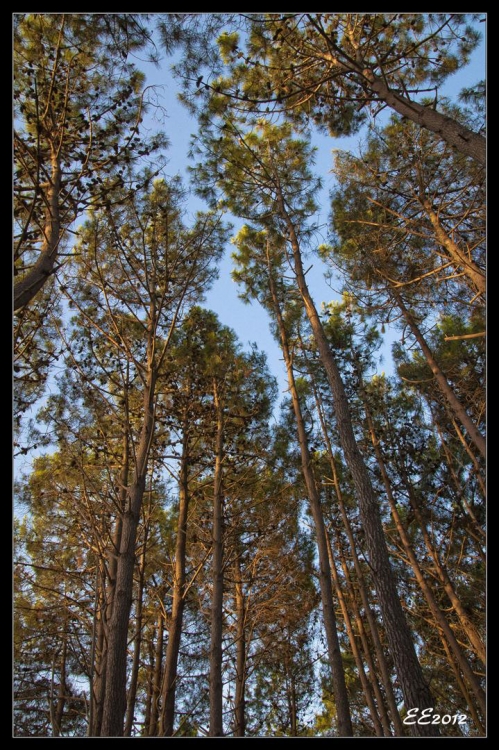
124	324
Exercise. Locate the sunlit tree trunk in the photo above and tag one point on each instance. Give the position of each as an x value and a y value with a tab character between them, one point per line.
239	693
216	686
156	677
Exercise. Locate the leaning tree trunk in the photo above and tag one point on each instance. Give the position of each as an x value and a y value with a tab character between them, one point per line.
454	405
447	128
414	687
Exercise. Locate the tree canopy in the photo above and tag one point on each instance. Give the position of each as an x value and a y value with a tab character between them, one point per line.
199	552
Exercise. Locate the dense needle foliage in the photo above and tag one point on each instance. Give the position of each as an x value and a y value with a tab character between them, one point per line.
197	552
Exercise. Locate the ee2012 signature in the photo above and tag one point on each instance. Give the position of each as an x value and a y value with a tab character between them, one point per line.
428	717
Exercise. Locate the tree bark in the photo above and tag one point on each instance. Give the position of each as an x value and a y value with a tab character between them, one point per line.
115	694
452	132
137	643
216	686
178	600
153	728
239	696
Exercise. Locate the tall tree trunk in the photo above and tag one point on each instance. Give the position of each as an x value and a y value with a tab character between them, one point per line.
97	664
414	687
335	660
366	686
437	613
239	697
380	656
477	645
216	686
56	713
178	600
115	694
137	643
455	406
108	587
153	725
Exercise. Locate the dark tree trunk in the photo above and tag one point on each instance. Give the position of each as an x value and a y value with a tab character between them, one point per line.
115	694
137	643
